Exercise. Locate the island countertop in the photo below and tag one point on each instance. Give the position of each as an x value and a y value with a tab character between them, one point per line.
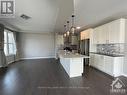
66	54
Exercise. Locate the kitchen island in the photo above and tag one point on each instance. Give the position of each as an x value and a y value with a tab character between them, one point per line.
72	62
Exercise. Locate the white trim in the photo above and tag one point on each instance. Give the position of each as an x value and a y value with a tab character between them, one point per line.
11	62
37	58
124	75
17	60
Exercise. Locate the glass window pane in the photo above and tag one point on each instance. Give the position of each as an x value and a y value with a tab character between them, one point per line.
5	49
11	49
10	37
5	37
9	43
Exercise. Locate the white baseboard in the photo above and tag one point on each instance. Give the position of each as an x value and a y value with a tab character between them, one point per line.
37	58
11	62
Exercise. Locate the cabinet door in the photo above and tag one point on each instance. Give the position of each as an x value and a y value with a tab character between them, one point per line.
117	31
114	30
104	38
96	61
96	36
118	66
109	67
92	59
101	63
100	35
82	35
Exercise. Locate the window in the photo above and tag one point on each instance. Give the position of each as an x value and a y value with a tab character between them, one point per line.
9	43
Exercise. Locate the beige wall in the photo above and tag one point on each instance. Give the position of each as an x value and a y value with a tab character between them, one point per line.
36	45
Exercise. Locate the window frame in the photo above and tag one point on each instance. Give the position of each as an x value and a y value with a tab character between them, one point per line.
7	42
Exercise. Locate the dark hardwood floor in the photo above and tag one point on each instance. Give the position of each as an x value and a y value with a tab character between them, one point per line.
47	77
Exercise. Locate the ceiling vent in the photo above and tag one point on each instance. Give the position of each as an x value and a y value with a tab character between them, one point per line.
25	17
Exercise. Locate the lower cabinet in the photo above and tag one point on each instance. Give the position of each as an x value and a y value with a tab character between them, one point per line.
110	65
97	61
91	61
72	66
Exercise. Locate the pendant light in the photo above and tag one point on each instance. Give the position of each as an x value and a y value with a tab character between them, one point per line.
73	24
68	30
65	30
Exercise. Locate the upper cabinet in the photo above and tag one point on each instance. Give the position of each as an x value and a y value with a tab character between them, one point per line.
85	34
117	31
96	35
109	33
89	34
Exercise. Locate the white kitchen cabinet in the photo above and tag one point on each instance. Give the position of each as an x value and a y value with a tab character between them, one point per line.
110	33
96	61
110	65
85	34
99	62
103	37
92	59
96	35
117	31
114	65
92	45
82	35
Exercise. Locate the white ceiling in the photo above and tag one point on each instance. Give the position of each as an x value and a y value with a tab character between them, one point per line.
43	15
94	12
46	15
51	15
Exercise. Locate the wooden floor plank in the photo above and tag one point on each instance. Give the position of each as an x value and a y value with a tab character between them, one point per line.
47	77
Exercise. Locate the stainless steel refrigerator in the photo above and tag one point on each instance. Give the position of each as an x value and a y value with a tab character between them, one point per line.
84	49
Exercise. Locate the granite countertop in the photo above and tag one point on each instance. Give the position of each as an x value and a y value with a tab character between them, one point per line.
111	55
65	54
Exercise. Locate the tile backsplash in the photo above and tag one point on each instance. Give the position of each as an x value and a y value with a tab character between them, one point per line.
115	49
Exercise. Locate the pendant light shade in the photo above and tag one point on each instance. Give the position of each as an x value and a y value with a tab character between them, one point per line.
68	32
65	34
73	24
65	29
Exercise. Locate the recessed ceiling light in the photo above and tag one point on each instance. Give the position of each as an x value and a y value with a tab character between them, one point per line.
78	27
